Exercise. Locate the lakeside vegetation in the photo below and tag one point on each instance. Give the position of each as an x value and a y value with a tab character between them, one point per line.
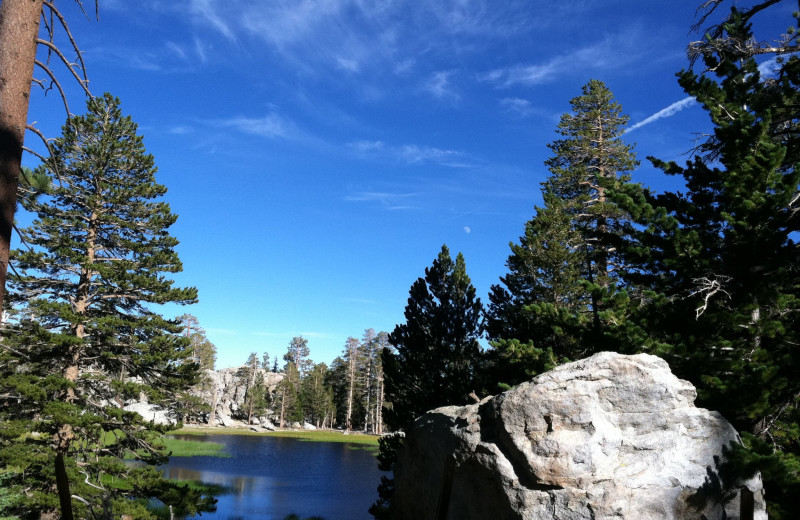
303	435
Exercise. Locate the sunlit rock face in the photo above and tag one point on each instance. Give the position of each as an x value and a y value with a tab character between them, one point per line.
227	389
611	436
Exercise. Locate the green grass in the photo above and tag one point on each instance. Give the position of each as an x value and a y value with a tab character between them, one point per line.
184	448
303	435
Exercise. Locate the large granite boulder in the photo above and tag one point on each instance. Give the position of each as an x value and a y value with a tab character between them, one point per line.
611	436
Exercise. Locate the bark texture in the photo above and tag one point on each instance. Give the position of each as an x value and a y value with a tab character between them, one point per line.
19	29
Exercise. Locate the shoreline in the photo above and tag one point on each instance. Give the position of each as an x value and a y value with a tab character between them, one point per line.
303	435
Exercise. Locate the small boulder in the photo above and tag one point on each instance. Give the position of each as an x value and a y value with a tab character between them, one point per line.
225	420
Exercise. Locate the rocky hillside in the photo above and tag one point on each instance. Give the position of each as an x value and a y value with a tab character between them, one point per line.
227	390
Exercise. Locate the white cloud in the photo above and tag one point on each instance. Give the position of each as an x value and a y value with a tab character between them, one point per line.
181	130
623	48
177	49
204	10
413	153
272	125
348	64
517	106
467	230
665	112
438	85
366	146
389	200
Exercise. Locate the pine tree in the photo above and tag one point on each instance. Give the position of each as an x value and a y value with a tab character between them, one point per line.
287	395
435	357
317	396
84	339
562	292
248	373
436	350
718	264
298	353
202	351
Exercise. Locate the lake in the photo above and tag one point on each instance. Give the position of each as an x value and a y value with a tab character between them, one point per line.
271	477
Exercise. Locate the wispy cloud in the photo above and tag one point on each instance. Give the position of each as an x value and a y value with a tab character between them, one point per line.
517	106
389	200
181	130
413	153
665	112
526	74
440	87
614	51
205	11
271	125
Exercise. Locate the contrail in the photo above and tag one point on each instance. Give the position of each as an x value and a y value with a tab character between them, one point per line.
666	112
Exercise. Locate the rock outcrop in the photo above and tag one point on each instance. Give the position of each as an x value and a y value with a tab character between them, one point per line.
227	389
610	436
151	412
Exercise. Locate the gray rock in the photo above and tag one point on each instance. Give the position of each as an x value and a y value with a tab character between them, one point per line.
267	424
610	436
225	420
228	390
309	426
151	412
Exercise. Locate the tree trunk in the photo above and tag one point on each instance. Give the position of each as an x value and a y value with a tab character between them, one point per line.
379	405
367	409
283	406
212	417
19	29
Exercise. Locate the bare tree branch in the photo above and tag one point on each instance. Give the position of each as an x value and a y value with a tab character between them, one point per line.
708	287
70	66
53	81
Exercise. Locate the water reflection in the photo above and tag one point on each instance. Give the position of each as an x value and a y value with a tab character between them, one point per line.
271	477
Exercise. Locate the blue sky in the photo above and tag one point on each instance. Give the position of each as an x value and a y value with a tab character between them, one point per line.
319	153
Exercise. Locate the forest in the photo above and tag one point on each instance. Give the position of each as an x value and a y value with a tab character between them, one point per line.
704	276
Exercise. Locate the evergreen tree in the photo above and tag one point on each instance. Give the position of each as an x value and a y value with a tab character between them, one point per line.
562	292
201	350
718	264
318	397
84	339
298	353
436	350
435	357
371	370
287	395
248	373
351	356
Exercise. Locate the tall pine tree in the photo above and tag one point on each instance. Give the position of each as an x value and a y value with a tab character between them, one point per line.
84	339
719	263
562	291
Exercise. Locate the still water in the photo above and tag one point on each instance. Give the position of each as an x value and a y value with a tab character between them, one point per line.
271	477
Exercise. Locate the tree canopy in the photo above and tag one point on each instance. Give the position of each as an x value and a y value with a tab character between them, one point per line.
84	339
